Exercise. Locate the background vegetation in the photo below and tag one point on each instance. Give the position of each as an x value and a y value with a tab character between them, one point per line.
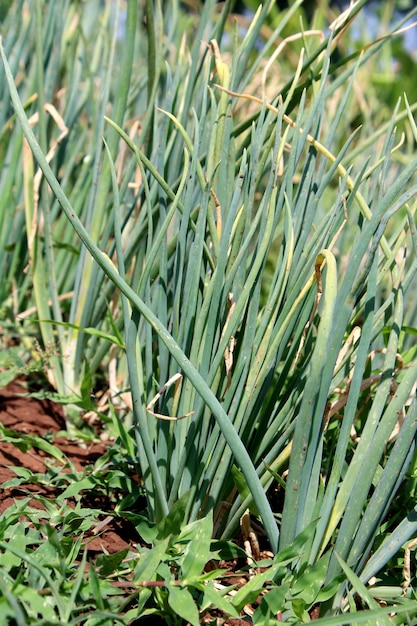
208	221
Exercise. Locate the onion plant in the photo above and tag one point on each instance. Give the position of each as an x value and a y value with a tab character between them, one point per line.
214	230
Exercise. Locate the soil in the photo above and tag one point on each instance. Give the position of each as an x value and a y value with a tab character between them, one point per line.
25	414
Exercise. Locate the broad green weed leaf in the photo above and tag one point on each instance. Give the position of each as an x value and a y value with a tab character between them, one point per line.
108	563
226	550
299	606
38	604
250	591
75	488
144	596
150	560
275	598
172	523
8	560
331	589
308	585
53	538
212	575
296	549
262	615
95	588
22	472
197	551
147	530
182	603
7	377
24	442
214	597
271	603
165	570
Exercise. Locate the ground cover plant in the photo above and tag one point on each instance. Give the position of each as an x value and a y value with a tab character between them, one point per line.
208	248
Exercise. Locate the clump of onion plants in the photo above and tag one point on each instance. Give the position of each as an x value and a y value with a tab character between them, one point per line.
210	227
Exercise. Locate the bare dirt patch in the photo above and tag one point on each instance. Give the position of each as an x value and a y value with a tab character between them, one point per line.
27	415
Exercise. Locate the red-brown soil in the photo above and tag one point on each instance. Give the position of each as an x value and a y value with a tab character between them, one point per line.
28	415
